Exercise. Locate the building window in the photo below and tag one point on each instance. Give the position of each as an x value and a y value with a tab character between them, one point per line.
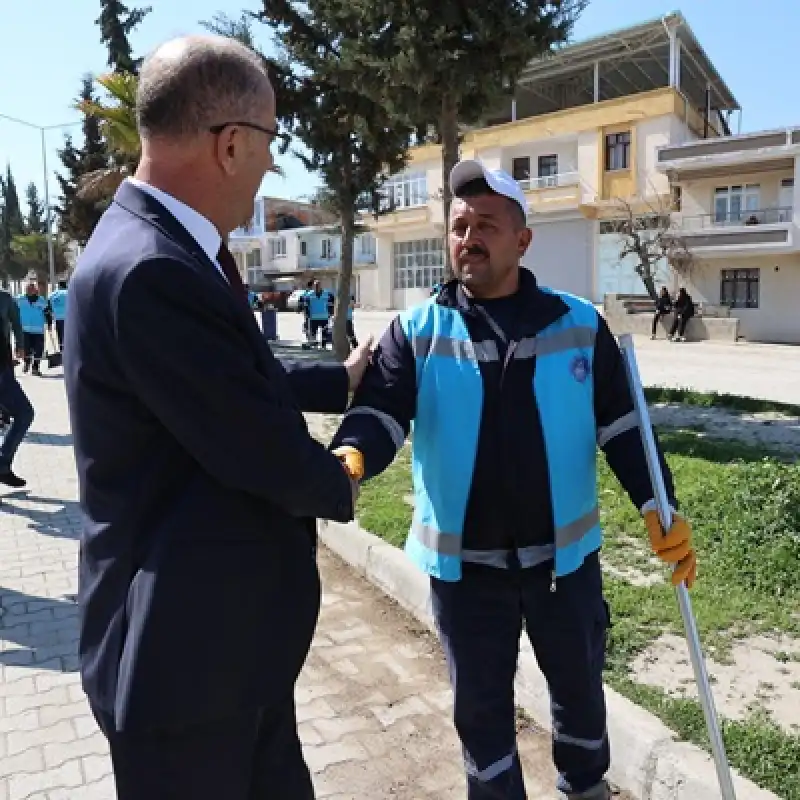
548	166
327	248
418	264
618	150
676	194
303	248
406	190
257	217
739	288
277	247
521	171
253	258
734	205
367	244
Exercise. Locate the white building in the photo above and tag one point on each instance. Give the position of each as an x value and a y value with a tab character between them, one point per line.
290	258
740	218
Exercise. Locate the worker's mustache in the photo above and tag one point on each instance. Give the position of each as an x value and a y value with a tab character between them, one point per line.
474	250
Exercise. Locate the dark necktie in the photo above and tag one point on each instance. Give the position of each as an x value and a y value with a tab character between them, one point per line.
228	265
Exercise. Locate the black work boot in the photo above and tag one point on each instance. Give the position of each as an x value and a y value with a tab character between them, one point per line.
600	792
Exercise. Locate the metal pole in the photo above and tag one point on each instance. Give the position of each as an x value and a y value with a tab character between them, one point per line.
665	513
48	228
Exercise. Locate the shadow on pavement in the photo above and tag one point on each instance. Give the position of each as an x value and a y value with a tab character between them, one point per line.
56	439
38	632
62	522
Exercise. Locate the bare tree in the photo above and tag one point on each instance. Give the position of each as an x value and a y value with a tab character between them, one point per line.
651	236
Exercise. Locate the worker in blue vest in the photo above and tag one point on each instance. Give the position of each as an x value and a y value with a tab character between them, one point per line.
319	303
511	388
58	304
35	315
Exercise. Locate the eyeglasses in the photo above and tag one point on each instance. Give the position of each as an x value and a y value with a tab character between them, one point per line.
283	138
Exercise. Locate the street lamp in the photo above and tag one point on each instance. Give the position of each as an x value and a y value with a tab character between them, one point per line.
42	130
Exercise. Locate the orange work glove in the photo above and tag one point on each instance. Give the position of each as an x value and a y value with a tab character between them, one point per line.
674	547
352	461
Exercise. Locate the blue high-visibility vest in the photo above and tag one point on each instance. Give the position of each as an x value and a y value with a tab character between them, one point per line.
58	302
318	305
31	315
445	432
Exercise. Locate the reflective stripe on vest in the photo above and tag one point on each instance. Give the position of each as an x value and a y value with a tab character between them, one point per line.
446	434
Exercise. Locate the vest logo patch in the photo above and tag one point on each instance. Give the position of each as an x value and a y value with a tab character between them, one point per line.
580	368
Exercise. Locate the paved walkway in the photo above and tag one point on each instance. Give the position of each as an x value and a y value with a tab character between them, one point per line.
771	372
373	702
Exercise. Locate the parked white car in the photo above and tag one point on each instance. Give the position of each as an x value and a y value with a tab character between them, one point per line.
293	299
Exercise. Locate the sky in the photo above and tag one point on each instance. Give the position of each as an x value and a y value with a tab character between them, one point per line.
45	54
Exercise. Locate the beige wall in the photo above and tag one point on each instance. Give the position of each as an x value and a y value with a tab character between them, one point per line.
651	134
565	148
777	318
589	166
697	197
368	287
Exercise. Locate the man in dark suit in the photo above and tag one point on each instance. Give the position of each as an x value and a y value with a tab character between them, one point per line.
199	480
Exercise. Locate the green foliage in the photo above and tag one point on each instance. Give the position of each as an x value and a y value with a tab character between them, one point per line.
31	255
34	222
116	22
11	224
735	402
78	215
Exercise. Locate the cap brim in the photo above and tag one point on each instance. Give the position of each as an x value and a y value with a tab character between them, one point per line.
464	172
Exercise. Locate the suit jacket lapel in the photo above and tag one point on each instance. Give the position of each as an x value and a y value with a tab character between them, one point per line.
145	206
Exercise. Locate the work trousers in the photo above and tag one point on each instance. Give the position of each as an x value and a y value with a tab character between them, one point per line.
33	345
60	333
480	620
16	405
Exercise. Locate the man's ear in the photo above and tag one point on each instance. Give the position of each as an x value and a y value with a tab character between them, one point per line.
525	236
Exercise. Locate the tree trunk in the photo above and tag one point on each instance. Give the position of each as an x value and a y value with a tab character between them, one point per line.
648	279
341	344
448	130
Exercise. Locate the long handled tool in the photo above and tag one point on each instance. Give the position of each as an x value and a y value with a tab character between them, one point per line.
685	604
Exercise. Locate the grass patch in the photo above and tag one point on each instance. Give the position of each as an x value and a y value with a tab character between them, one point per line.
745	510
734	402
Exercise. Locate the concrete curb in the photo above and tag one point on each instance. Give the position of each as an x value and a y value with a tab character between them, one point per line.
646	759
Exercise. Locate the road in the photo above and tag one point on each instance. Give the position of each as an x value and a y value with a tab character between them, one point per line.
771	372
373	701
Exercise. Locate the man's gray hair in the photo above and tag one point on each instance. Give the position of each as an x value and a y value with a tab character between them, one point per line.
188	85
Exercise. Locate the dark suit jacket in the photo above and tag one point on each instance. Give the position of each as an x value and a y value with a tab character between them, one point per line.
198	478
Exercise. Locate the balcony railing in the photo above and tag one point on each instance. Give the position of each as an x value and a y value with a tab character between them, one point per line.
551	181
761	216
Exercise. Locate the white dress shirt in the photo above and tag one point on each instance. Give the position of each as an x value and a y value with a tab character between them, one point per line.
196	225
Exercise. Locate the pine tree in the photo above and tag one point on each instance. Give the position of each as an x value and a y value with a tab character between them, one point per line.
34	222
79	215
11	225
116	22
353	141
449	62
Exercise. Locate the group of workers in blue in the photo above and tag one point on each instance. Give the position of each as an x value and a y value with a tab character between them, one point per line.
37	315
317	306
28	318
